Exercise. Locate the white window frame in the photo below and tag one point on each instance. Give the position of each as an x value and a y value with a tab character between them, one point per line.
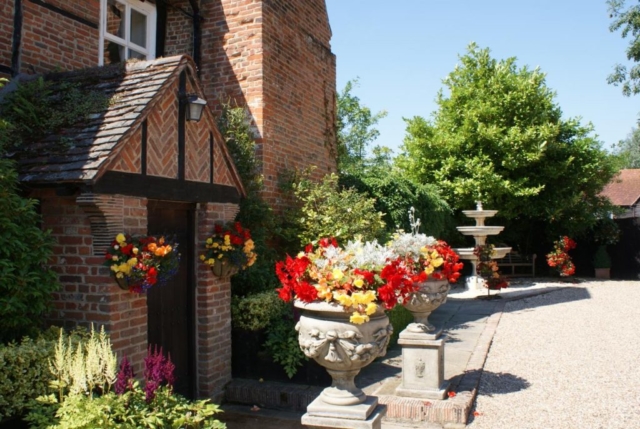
147	9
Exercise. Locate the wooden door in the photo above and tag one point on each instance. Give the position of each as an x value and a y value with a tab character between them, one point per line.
171	306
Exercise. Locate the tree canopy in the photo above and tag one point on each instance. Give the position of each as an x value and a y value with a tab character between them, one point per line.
498	136
626	19
629	150
355	124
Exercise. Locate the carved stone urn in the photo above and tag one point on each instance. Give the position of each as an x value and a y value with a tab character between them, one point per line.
343	348
430	295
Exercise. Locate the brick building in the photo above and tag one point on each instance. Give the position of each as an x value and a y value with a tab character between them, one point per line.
140	168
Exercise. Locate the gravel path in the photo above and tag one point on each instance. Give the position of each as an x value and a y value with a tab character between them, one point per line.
567	359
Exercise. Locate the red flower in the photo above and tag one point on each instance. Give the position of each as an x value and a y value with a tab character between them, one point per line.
306	292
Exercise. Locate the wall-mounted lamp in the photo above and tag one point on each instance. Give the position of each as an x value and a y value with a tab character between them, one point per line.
195	106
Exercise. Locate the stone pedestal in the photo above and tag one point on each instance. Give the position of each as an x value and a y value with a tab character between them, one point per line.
475	283
367	415
422	365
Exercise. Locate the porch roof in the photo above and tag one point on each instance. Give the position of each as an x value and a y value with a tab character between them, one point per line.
133	88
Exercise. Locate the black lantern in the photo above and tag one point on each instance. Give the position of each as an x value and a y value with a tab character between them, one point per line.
195	106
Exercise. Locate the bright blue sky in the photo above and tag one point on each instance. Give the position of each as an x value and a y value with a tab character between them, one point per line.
401	50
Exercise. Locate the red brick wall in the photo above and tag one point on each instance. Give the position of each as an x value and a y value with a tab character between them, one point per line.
179	34
274	57
6	35
89	295
299	90
52	41
213	310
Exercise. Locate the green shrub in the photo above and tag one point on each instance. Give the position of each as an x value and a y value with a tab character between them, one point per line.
602	259
255	312
328	211
83	369
395	194
24	374
127	411
26	283
282	342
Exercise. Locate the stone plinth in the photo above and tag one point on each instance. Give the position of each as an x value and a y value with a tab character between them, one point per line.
422	365
367	415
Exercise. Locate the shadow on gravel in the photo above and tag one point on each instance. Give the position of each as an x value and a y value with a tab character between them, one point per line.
496	383
561	296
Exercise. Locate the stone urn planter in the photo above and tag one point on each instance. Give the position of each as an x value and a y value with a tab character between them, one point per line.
430	295
343	348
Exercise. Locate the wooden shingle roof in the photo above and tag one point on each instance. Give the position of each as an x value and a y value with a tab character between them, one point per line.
624	189
131	88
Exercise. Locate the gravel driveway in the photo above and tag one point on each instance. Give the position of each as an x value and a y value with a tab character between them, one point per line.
566	359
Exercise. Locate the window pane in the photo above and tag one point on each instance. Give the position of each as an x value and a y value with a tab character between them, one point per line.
138	55
113	52
138	28
115	18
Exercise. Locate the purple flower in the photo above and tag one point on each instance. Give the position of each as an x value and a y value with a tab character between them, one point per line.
125	377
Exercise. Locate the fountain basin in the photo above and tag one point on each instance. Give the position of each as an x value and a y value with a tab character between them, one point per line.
467	252
479	213
480	230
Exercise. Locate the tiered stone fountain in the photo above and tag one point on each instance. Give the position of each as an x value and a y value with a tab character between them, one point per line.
480	232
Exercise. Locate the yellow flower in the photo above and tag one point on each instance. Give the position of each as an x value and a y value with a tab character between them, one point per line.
209	241
135	250
358	283
220	256
202	257
371	308
227	240
211	261
114	258
114	268
132	262
214	245
358	318
124	268
344	299
364	297
120	239
337	274
429	269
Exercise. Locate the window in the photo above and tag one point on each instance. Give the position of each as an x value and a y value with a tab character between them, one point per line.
127	30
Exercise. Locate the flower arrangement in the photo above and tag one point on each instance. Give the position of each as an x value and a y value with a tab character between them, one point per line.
487	268
423	256
362	275
559	258
229	247
358	277
141	262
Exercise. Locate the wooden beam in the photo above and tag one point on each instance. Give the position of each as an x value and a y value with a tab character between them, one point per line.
163	188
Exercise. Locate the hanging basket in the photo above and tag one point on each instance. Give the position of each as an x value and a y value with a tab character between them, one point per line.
122	283
223	270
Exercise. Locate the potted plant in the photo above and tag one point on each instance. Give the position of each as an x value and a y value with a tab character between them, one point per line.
602	263
487	269
229	249
559	258
138	263
431	265
341	293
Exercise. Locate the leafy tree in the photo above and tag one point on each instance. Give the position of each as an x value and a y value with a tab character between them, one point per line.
26	283
355	128
499	137
627	20
629	150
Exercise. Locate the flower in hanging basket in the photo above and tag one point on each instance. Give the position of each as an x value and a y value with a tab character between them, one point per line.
141	262
229	249
359	277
